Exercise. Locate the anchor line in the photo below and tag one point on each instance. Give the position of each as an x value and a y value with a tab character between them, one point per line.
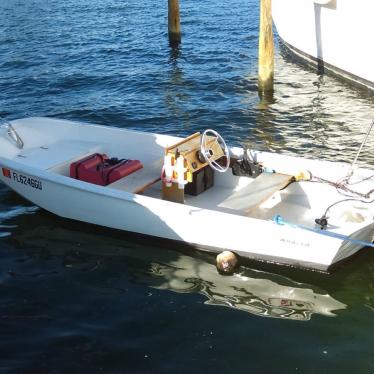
342	188
342	184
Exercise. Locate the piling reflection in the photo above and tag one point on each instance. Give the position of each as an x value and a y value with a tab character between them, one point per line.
311	114
175	96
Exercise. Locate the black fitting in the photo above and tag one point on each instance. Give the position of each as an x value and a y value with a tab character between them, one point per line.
322	222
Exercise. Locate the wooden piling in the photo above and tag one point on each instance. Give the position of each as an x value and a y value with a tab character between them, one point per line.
174	23
266	50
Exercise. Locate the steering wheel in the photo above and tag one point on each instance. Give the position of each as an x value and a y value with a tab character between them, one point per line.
207	153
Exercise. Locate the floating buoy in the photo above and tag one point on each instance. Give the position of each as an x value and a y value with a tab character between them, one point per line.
227	262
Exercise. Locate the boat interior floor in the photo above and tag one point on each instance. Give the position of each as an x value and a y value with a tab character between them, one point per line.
243	200
262	197
56	157
231	194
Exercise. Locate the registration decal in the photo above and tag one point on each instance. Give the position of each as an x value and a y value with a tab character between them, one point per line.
6	173
26	180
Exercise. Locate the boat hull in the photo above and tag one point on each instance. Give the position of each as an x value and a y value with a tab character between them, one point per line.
333	35
40	173
198	228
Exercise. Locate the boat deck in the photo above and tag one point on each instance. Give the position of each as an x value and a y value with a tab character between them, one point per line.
241	201
57	157
140	180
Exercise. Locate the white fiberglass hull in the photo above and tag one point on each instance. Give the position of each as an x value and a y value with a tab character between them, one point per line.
191	223
336	35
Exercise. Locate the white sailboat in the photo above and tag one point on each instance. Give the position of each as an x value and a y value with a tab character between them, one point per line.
195	190
334	35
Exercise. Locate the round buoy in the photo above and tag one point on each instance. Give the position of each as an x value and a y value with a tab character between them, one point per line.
227	262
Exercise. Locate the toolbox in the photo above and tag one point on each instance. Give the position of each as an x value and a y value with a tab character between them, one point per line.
101	170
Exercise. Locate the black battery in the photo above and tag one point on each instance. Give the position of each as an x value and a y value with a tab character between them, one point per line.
201	181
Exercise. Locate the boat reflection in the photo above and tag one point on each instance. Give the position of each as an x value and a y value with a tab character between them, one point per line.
256	292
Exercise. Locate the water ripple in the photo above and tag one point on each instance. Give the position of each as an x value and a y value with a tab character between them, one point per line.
74	301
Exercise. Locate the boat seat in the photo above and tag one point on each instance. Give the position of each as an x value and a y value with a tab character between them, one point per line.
53	155
141	179
255	193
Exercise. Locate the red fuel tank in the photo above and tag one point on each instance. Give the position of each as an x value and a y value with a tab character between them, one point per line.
86	163
101	170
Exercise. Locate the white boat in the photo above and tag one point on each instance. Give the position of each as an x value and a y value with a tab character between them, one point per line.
335	35
236	213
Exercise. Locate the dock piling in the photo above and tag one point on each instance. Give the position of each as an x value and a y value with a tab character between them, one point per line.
266	50
174	23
